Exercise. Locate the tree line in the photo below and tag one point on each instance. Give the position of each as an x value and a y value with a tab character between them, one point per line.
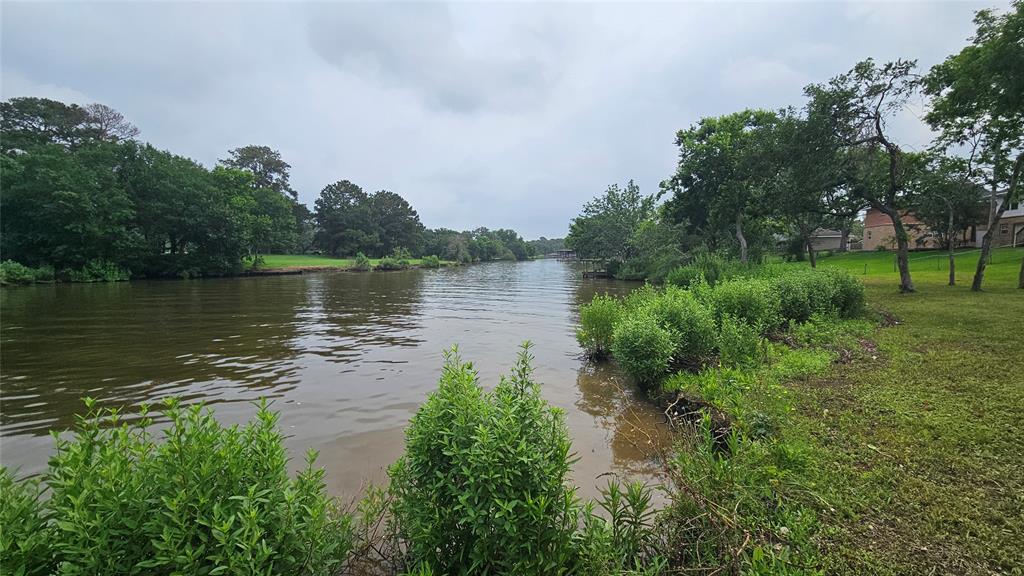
745	177
82	197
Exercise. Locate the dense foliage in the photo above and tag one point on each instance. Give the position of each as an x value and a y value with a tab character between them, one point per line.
93	204
465	502
204	500
656	330
597	321
482	488
748	181
84	198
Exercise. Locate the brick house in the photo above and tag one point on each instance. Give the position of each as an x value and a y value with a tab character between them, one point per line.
879	233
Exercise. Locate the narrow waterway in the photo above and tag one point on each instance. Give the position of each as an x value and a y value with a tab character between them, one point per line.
345	357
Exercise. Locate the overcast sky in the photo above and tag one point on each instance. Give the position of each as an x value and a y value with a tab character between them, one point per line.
479	114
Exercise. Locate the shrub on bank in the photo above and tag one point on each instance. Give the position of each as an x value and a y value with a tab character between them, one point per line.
643	347
362	263
12	272
482	487
739	344
431	262
690	321
597	322
848	298
753	300
97	271
205	500
389	263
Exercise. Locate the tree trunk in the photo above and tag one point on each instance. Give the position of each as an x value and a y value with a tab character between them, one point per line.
986	249
986	240
1020	278
844	239
994	215
902	250
949	245
741	239
810	253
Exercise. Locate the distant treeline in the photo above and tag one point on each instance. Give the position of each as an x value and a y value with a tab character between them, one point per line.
84	200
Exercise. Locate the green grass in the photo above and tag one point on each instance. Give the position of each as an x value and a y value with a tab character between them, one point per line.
920	454
931	267
312	260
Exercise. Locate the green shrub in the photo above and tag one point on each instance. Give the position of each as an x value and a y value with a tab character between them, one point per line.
431	262
389	263
709	266
206	500
689	320
848	298
12	272
739	344
362	263
26	538
804	293
684	276
622	540
481	488
597	322
643	347
754	301
97	271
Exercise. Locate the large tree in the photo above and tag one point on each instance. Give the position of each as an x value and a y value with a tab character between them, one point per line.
723	174
343	218
396	224
266	164
978	100
607	223
857	105
948	203
28	122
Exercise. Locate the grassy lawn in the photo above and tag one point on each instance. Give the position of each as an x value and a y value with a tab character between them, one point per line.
922	448
313	260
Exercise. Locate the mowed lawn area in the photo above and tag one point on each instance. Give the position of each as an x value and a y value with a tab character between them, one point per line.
272	261
922	448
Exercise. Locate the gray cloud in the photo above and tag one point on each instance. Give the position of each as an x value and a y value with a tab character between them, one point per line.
501	115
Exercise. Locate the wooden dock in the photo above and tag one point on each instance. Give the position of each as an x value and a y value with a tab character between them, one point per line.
595	268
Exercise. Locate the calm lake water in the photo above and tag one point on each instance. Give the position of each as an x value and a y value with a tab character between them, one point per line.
346	358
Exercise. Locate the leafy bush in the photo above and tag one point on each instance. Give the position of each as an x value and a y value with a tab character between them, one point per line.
206	500
481	488
804	293
754	301
97	271
362	263
739	344
389	263
684	276
12	272
431	262
624	540
26	537
689	320
848	298
643	347
597	322
712	267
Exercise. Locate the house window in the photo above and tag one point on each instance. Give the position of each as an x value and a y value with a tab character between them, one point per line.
1004	229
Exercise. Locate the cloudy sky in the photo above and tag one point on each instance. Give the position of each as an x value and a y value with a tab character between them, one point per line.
480	114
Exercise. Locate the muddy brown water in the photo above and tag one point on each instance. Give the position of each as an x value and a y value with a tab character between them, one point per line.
345	357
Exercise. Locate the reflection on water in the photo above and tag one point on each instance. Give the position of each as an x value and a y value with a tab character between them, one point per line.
346	357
